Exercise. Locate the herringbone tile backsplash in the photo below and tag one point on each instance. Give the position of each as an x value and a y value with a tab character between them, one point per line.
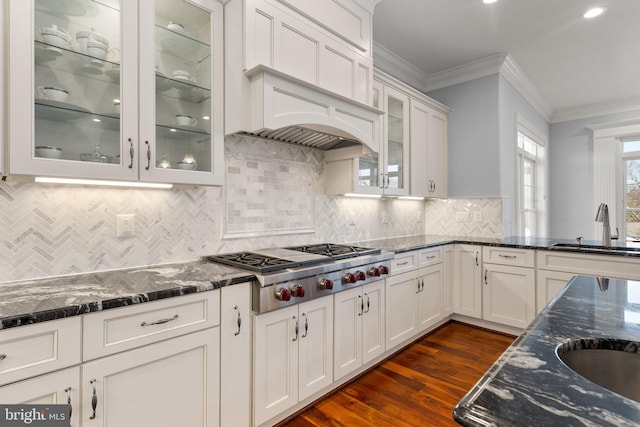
274	197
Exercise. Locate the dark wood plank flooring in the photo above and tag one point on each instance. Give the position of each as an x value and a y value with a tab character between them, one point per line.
417	387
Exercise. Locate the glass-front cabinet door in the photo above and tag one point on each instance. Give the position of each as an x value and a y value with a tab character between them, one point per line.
387	172
181	105
109	89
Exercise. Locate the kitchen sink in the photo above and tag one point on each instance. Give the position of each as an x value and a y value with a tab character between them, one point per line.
612	364
595	247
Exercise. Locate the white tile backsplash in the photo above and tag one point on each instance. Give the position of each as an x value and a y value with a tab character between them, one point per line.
274	197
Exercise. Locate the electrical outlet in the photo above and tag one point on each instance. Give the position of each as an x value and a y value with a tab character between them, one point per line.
477	216
385	217
125	225
462	216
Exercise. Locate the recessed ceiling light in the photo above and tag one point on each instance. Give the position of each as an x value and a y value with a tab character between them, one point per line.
593	12
489	1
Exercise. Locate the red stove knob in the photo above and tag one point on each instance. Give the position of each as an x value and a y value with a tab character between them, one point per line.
283	294
384	269
349	278
297	291
374	272
360	275
325	284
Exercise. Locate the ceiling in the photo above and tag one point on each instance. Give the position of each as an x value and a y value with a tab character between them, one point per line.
573	63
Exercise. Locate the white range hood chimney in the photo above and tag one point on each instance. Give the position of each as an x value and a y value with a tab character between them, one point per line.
283	108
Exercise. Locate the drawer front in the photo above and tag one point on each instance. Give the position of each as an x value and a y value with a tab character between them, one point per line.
120	329
508	256
406	261
27	351
428	257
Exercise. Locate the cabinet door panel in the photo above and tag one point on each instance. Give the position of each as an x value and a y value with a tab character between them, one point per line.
275	383
235	355
401	306
429	297
373	334
509	295
347	331
315	350
57	388
548	284
171	383
468	281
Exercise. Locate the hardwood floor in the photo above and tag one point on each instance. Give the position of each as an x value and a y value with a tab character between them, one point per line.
417	387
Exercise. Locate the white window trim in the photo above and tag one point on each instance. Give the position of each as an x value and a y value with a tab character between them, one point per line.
540	138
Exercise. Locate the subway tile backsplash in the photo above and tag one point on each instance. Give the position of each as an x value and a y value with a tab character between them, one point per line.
274	196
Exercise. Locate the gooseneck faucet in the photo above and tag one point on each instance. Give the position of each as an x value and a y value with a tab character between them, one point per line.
603	216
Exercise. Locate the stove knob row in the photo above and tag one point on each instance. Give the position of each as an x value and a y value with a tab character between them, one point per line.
325	284
283	294
297	290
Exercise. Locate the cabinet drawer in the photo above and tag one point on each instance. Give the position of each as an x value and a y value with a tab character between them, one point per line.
508	256
112	331
428	257
27	351
406	261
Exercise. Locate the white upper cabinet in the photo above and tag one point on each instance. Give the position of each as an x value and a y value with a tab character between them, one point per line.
114	89
428	150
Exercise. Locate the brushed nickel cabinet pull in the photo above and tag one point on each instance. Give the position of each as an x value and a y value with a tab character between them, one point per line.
160	322
485	277
3	356
296	329
368	303
507	256
68	391
477	258
239	320
148	155
131	152
94	399
306	326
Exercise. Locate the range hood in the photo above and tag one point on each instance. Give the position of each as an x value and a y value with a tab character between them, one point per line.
282	108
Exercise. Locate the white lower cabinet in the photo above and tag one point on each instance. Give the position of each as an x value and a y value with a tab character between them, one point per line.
235	355
447	280
467	281
293	356
358	327
414	299
170	383
509	295
60	387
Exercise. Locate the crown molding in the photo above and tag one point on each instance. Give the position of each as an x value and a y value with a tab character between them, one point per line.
368	5
519	80
463	73
392	64
595	110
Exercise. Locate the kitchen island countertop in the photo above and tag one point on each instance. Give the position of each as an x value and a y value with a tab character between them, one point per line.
529	385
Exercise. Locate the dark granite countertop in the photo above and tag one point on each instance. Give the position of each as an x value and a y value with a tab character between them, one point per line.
529	385
33	301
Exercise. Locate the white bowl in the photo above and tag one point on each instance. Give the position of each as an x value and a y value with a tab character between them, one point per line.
186	166
48	152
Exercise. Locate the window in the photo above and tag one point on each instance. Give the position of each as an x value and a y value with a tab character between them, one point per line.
631	190
530	195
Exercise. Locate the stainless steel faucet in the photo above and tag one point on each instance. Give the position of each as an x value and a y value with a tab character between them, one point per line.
603	216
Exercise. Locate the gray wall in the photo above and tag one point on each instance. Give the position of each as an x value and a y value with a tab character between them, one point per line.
474	169
571	175
482	139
